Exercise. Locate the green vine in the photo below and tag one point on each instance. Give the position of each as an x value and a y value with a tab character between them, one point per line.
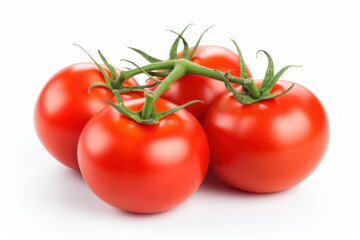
175	68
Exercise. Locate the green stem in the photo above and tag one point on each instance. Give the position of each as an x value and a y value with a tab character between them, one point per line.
178	71
148	105
187	67
254	91
150	67
191	68
195	69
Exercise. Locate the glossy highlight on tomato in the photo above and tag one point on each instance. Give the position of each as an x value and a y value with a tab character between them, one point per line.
268	146
143	168
64	106
195	87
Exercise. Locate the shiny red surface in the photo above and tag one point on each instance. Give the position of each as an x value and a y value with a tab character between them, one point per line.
143	168
64	106
267	146
194	87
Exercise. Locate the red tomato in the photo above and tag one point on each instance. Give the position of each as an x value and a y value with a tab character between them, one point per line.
267	146
64	106
194	87
143	168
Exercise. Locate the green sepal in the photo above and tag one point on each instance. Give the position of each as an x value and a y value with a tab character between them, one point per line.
109	66
243	71
198	42
162	114
148	85
141	69
107	79
138	88
99	84
269	72
185	53
268	95
163	73
146	56
120	106
159	74
173	49
273	81
154	79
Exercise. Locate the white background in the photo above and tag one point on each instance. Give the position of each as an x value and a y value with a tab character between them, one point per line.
41	199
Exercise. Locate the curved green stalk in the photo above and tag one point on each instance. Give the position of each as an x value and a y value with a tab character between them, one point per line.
178	72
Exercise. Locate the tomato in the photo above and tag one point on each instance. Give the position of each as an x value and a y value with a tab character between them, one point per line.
64	106
268	146
195	87
143	168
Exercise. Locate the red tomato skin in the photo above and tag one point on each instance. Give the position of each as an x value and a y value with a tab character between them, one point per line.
194	87
143	168
64	106
267	146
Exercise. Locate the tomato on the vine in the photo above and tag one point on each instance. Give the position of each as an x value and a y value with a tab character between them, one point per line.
267	146
64	106
196	87
143	168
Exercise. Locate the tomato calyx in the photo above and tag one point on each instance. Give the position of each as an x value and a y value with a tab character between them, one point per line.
147	115
186	54
251	93
115	81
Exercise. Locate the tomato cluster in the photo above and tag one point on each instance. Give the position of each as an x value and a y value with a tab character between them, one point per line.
144	166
